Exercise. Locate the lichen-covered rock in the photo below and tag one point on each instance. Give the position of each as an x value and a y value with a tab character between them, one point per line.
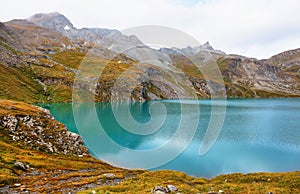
36	128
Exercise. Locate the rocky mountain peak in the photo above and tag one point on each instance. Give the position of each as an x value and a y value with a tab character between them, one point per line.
112	39
207	46
58	22
54	21
191	51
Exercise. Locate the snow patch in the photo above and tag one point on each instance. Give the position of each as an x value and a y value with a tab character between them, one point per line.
67	27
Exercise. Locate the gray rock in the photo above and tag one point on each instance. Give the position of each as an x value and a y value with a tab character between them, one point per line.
171	188
20	165
109	175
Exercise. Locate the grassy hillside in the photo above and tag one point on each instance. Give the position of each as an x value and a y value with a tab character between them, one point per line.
17	84
39	65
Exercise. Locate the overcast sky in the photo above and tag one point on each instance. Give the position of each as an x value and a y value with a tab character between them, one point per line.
254	28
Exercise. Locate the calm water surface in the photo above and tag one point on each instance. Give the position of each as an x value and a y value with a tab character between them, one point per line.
257	134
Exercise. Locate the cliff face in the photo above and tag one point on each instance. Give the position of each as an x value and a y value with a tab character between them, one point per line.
40	58
246	77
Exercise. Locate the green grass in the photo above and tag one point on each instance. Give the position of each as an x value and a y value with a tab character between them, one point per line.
17	85
60	93
6	46
231	183
69	58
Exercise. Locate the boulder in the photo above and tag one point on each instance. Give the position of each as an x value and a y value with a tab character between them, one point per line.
171	188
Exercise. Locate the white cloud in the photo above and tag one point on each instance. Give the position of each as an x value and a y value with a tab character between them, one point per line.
256	28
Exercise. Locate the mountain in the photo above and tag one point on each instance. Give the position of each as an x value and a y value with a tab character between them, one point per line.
40	57
112	39
58	22
191	51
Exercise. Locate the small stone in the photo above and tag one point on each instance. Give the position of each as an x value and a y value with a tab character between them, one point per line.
93	192
51	149
23	188
109	175
221	191
17	184
171	188
11	108
80	156
270	193
20	165
269	180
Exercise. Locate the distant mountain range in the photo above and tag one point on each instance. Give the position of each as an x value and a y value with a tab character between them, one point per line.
40	56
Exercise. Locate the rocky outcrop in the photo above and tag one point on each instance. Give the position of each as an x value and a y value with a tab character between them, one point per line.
246	77
54	21
35	127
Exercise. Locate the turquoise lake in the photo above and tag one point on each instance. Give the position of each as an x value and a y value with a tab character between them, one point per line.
254	135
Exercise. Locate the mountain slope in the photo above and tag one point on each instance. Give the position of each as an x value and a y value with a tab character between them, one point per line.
58	22
256	78
112	39
40	65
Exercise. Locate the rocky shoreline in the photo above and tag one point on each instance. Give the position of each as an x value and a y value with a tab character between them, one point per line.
36	131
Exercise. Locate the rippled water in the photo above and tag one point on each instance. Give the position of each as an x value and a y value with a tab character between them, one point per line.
257	134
